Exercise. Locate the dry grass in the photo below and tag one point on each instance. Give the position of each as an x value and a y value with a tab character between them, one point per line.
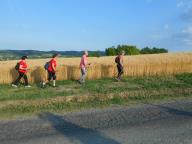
101	97
158	64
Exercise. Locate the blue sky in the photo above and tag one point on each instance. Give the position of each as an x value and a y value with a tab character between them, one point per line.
95	24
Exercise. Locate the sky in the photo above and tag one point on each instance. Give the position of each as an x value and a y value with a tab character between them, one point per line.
95	24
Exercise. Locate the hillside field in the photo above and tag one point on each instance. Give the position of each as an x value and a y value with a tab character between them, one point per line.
68	69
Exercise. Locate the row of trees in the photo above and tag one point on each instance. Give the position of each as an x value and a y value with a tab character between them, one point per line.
133	50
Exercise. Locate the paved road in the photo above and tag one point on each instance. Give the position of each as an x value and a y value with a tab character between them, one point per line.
169	123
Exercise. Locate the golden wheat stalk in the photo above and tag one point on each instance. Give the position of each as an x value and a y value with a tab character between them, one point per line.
141	65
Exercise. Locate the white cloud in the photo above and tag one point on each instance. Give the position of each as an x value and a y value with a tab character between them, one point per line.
184	37
184	4
180	4
187	33
188	42
166	26
187	30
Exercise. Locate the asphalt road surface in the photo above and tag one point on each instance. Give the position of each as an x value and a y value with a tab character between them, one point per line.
169	123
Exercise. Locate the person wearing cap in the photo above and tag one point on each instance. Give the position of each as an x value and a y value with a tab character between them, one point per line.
52	70
119	62
22	70
83	67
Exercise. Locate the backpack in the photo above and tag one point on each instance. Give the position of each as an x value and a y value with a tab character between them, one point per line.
17	66
46	66
117	60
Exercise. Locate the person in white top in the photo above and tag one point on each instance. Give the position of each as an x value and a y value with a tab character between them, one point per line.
83	67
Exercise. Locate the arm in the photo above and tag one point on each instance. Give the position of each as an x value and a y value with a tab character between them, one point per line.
87	64
53	67
121	60
21	67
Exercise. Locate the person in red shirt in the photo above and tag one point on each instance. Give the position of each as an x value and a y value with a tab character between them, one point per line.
52	70
83	67
22	70
119	62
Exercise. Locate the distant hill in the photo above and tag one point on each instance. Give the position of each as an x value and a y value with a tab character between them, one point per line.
16	54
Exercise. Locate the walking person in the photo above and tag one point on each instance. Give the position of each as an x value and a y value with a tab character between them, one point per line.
51	70
119	62
83	67
22	68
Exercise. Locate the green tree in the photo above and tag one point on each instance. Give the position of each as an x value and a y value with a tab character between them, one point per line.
159	50
111	51
133	50
94	54
153	50
129	50
146	50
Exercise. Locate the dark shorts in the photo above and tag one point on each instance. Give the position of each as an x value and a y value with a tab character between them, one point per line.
120	68
51	75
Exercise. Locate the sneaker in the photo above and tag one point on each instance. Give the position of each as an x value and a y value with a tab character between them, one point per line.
82	83
15	86
43	85
79	82
27	86
55	86
117	79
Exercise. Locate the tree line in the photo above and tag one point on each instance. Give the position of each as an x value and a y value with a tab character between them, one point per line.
133	50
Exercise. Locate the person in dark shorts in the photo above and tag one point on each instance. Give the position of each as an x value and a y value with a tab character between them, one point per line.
119	62
22	68
51	69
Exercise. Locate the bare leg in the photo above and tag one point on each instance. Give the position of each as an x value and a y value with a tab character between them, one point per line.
84	73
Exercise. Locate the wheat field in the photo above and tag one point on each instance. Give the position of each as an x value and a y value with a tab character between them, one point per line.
68	68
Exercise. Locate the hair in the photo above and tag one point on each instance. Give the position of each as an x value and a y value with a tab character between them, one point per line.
24	57
85	51
55	55
121	52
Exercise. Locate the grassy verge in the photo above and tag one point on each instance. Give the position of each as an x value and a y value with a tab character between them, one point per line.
69	95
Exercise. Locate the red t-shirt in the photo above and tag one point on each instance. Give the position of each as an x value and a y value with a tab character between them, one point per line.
54	63
22	64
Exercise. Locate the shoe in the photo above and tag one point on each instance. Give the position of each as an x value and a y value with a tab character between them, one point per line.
27	86
82	83
43	85
117	79
79	82
15	86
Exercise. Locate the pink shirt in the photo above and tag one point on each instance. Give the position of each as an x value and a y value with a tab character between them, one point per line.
83	62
